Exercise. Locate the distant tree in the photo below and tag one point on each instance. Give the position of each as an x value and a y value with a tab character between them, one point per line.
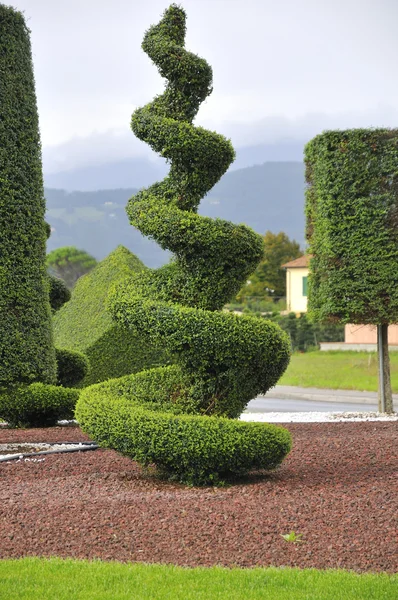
269	279
305	334
69	263
352	229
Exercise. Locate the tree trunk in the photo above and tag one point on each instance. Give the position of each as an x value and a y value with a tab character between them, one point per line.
385	392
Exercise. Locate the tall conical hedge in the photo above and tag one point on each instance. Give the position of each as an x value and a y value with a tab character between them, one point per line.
26	347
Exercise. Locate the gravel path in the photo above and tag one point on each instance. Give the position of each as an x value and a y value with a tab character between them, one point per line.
338	488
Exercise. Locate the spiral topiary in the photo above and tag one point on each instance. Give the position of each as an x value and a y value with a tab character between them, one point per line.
224	360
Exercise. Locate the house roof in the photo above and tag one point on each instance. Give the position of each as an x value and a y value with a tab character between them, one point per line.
302	261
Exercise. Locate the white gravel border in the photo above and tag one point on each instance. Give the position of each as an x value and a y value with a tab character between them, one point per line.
316	417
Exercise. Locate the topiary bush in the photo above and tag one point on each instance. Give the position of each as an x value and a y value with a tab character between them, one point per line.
193	449
84	324
37	405
72	367
352	225
223	360
59	293
26	346
27	293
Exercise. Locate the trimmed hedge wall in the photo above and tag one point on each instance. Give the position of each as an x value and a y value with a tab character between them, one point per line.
352	225
26	346
223	360
84	324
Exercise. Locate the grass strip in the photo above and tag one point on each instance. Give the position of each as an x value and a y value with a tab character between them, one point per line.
67	579
338	370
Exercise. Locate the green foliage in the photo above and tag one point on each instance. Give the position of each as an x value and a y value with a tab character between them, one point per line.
84	324
72	367
258	306
229	358
69	263
224	360
59	293
37	405
352	225
269	279
304	334
26	347
195	450
293	537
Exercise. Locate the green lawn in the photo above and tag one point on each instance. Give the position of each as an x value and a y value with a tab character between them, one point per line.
56	579
337	370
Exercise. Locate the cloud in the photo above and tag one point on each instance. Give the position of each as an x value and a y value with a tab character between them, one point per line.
273	62
94	149
119	144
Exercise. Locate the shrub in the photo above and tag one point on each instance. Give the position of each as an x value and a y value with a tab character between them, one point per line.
223	360
84	324
37	405
196	450
59	293
352	225
26	346
304	334
72	367
228	359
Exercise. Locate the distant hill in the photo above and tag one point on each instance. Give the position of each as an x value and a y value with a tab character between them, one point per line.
138	172
265	197
281	151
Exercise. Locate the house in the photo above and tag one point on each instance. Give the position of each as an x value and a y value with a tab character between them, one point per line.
296	284
364	337
356	337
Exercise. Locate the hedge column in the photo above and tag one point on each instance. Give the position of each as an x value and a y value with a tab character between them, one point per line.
352	229
26	348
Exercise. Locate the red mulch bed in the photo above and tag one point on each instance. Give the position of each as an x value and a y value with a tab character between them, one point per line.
338	488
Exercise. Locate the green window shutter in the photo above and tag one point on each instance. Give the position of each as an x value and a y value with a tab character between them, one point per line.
305	285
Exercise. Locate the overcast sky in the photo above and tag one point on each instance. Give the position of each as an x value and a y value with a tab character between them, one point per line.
282	68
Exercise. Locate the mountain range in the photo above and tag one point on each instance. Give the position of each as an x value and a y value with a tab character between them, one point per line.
267	196
141	171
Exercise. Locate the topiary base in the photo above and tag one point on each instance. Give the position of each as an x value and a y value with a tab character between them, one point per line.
192	449
37	405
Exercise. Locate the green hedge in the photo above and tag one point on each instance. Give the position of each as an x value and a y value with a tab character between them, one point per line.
26	346
223	360
84	324
228	359
192	449
37	405
72	367
59	293
352	225
305	334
